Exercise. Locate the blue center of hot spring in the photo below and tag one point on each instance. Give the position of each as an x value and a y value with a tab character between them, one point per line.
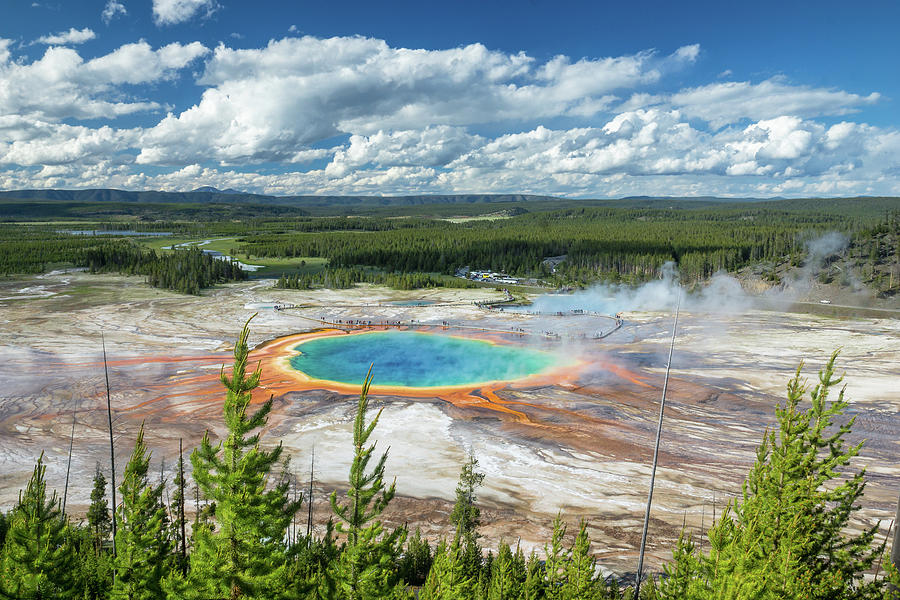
413	359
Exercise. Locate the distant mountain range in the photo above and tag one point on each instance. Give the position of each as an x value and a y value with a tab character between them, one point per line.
701	198
209	194
210	189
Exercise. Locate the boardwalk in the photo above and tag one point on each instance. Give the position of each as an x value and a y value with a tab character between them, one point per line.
365	323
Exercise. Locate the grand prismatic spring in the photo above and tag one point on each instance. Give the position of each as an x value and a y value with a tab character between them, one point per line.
410	359
463	369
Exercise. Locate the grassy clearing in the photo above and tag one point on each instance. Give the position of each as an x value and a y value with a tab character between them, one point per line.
81	224
276	267
272	267
164	244
475	218
159	243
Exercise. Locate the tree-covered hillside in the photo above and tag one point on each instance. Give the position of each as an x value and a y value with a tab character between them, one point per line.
625	240
598	243
185	270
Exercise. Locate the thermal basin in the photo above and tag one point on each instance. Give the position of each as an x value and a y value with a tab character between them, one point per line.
412	359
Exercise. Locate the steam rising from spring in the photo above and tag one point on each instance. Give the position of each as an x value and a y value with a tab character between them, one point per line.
820	248
818	251
722	294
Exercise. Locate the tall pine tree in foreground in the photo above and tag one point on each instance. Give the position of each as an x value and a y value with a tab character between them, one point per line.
557	559
580	582
241	554
416	561
367	567
92	570
179	521
533	586
788	536
466	516
99	521
447	579
37	562
142	542
505	581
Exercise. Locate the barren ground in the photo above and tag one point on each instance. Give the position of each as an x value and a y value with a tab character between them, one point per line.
583	447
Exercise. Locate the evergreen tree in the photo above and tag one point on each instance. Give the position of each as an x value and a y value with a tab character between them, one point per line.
36	563
579	570
466	516
4	525
787	537
416	560
891	581
98	517
505	580
367	565
474	562
142	543
557	559
179	520
447	579
244	556
484	576
308	561
533	587
93	571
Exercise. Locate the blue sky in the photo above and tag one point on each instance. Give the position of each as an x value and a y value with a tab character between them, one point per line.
580	99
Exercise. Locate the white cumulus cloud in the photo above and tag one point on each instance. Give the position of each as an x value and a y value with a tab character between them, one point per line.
261	104
429	147
354	115
61	84
724	103
112	9
4	50
654	143
171	12
65	38
45	144
139	63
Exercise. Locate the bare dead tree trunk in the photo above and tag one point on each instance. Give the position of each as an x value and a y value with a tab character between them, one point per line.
112	450
309	505
69	463
895	548
662	409
181	500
